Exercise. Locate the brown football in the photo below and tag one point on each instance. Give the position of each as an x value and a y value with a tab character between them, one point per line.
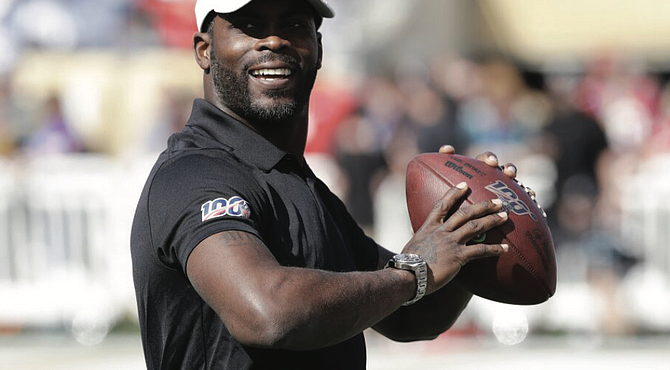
524	275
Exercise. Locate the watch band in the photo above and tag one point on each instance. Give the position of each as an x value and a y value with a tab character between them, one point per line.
416	264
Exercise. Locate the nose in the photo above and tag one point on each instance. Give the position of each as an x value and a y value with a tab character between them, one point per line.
272	42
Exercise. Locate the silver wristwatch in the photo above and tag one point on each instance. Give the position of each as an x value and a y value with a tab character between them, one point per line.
416	264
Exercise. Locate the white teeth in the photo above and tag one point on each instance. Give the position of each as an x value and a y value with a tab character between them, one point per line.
272	72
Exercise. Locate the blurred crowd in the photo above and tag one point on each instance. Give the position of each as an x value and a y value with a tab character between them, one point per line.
573	130
576	134
38	125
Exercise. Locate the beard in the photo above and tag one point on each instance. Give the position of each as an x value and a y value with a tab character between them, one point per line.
232	88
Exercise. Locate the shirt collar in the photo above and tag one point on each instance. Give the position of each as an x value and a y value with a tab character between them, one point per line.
245	143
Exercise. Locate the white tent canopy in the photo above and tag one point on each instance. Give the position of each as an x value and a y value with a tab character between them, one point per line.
542	30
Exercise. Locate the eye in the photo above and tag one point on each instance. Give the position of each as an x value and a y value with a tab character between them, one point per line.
297	24
245	25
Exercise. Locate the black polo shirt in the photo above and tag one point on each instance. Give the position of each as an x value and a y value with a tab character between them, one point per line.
218	175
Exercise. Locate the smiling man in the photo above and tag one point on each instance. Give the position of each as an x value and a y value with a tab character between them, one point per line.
242	258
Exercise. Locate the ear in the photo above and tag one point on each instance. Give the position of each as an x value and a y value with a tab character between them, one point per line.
320	50
202	43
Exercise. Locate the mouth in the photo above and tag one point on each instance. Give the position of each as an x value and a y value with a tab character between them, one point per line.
271	74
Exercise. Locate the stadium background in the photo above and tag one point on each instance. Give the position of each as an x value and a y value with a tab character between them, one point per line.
575	93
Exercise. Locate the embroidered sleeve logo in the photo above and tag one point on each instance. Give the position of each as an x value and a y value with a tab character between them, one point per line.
220	207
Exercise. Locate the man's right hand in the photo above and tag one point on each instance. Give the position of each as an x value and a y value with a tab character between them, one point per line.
442	240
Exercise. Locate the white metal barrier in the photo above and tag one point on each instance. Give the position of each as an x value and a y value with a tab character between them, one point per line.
64	242
645	224
646	211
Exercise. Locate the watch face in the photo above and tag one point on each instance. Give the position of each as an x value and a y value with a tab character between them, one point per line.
407	257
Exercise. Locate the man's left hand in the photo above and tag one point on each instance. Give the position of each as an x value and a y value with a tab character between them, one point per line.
489	158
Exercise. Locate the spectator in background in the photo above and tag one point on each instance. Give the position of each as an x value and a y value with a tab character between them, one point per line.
170	19
176	108
361	141
138	31
361	165
6	145
660	136
505	113
431	115
54	134
617	92
330	105
575	141
6	136
392	225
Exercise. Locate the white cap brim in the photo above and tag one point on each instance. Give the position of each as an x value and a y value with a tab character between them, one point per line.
204	7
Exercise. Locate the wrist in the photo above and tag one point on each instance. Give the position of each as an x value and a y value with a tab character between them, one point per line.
404	283
414	264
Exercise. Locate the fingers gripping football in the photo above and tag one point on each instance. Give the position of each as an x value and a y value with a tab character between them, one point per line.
444	239
489	158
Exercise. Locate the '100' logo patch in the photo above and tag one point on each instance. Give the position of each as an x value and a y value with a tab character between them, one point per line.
510	200
235	207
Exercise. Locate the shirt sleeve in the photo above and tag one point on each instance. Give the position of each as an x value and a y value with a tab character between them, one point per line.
195	196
